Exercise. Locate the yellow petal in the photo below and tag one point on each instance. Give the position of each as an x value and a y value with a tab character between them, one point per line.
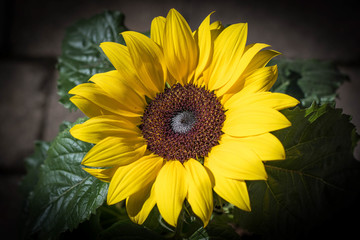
98	128
199	194
115	151
260	60
180	50
102	174
257	63
277	101
216	28
132	178
204	42
260	80
140	204
228	49
266	146
170	191
98	96
118	89
232	190
89	108
157	30
147	59
119	56
253	120
236	80
235	160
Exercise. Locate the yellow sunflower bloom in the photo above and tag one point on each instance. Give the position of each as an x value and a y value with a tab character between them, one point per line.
183	114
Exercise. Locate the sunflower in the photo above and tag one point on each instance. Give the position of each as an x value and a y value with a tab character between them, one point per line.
184	114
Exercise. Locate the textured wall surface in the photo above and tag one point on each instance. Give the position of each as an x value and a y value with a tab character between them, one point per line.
31	33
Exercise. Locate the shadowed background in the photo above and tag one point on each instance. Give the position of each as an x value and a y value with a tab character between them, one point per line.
31	34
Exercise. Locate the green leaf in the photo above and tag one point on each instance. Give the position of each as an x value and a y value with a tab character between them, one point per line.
221	228
308	80
32	165
318	183
29	181
125	229
65	194
81	55
200	233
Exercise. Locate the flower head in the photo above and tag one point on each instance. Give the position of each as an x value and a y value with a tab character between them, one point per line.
183	114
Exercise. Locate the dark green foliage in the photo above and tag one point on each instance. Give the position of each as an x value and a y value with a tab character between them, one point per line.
81	55
64	194
308	80
316	182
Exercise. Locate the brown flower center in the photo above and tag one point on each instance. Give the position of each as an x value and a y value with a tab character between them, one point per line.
183	122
